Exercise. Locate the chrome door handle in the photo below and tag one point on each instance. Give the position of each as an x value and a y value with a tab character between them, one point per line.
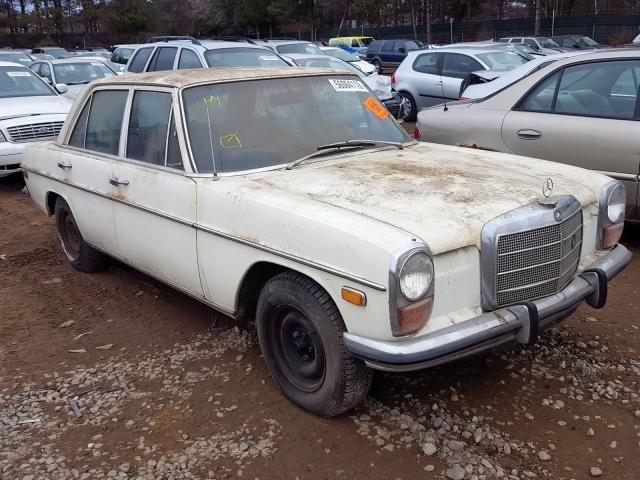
439	83
529	134
115	182
64	165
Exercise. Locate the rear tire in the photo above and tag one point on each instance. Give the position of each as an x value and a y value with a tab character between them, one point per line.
300	332
412	114
81	255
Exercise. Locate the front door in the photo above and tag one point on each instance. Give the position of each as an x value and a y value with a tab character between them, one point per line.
584	115
155	203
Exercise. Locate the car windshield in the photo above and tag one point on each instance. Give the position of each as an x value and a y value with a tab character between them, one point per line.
523	47
243	57
412	45
341	54
502	60
254	124
81	72
328	62
16	58
21	82
308	48
548	43
57	52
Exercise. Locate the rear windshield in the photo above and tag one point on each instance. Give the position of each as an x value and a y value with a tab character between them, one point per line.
328	62
22	82
57	52
246	125
548	43
81	72
243	57
587	42
366	41
342	55
502	60
308	48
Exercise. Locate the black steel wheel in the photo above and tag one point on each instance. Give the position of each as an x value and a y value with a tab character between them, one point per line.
80	254
300	331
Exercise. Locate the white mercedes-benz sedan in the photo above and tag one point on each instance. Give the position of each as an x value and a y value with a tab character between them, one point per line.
30	111
292	197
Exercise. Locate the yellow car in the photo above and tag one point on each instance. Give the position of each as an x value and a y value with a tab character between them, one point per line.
351	44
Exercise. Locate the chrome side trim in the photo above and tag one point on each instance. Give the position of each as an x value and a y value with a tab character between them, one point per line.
273	251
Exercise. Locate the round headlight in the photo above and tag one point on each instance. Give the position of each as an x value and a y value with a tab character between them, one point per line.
416	276
616	203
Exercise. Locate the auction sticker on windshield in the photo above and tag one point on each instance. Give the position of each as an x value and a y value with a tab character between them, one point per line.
347	85
376	108
18	74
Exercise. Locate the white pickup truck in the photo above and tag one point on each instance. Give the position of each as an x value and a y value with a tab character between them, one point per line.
292	197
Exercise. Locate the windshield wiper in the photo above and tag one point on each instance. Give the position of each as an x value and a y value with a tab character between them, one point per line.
338	146
78	83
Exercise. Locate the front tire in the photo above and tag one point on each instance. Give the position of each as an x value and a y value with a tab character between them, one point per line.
378	65
81	255
300	332
412	114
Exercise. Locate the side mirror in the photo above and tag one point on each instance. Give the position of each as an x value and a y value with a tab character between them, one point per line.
402	50
61	88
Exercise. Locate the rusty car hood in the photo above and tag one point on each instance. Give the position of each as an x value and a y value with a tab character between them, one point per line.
440	194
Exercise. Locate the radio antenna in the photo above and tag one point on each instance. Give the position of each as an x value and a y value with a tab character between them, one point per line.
444	99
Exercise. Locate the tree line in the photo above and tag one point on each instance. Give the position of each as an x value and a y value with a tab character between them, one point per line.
127	20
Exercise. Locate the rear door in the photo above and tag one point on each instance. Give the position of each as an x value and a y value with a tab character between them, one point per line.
155	202
585	115
455	67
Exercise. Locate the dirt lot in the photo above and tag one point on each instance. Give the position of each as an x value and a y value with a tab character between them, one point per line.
167	389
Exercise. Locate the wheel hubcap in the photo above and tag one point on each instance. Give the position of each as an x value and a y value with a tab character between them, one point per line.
298	348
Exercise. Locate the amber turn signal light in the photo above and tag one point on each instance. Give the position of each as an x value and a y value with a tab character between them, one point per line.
414	316
355	297
611	235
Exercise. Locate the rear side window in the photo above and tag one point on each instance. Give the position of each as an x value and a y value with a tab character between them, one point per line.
121	55
105	121
388	47
427	63
148	127
188	59
163	59
139	60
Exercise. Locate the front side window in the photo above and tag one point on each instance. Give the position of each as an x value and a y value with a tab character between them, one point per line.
188	59
457	65
45	71
21	82
139	60
81	72
246	125
427	63
599	89
148	127
163	59
308	48
412	45
105	121
243	57
388	46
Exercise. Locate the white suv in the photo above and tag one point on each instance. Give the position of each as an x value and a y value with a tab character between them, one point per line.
192	53
30	111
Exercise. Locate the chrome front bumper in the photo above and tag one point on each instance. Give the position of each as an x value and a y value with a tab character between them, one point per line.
515	324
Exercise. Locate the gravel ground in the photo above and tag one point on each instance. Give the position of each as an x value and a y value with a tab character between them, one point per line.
113	375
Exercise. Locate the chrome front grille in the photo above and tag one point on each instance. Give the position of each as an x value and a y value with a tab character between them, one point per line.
34	131
531	252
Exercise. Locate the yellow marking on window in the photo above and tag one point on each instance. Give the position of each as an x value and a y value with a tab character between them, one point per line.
230	141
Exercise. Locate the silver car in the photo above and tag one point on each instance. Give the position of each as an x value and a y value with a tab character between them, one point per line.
430	77
70	76
582	110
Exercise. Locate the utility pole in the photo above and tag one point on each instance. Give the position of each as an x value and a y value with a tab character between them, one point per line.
413	20
537	22
429	22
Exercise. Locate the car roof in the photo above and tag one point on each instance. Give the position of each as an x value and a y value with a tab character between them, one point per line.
76	59
184	78
11	64
462	49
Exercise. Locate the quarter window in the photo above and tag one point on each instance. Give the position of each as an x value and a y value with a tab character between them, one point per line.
148	126
79	133
188	59
163	59
541	99
427	63
105	121
139	60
